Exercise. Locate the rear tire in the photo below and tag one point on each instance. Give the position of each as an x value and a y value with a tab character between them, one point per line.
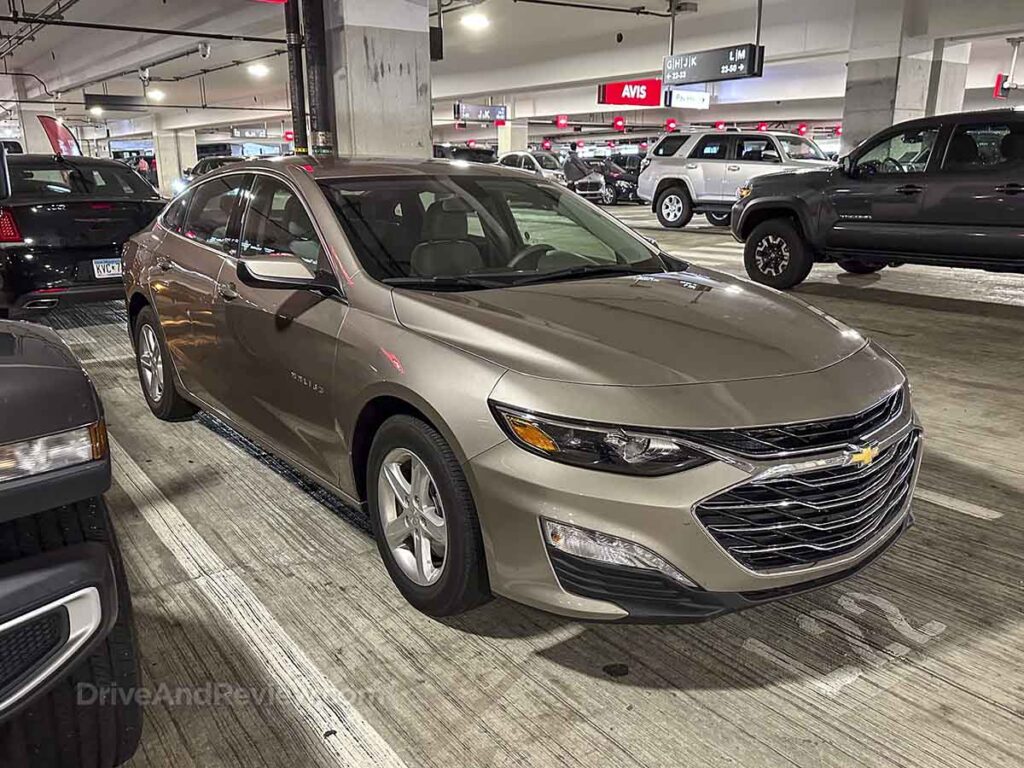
460	581
719	219
674	208
776	255
856	267
156	374
56	730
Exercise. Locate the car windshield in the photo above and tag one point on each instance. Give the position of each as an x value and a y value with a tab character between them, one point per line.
799	148
61	178
548	162
462	232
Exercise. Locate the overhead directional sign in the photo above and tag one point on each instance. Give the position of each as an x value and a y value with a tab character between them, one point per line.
480	113
732	63
683	99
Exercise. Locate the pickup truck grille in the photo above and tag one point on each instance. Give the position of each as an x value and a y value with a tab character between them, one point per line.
802	519
805	437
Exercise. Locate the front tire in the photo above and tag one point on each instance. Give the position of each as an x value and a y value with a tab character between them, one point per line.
609	196
424	519
674	208
156	375
718	219
855	267
776	255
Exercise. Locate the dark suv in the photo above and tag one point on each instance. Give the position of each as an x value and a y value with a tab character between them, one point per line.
945	190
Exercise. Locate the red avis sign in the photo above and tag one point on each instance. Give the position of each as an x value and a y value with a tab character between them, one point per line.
632	93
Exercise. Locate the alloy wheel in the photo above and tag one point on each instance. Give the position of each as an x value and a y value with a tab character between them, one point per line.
772	255
412	517
151	363
672	207
607	195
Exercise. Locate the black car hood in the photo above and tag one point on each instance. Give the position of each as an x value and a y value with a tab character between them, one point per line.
804	178
43	389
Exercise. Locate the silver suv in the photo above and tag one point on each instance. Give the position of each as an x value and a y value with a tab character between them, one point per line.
686	174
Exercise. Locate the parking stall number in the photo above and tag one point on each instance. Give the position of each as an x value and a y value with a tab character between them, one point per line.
817	623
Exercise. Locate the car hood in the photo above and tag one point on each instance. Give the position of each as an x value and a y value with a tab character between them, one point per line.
689	327
44	388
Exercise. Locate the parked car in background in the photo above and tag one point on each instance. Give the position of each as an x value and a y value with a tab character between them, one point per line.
540	162
945	190
468	154
203	167
63	227
478	357
619	184
68	659
686	174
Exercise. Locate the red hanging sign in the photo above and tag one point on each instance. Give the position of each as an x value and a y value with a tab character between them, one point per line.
632	93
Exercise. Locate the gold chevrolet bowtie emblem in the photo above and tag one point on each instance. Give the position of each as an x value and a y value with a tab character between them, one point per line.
864	456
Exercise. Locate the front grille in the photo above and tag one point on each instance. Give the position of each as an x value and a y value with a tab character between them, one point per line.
806	437
803	519
25	647
588	186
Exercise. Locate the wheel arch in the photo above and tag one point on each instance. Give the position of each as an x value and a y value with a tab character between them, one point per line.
671	181
760	211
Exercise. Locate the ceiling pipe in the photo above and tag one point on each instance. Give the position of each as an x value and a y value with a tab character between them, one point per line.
639	10
53	21
26	31
62	102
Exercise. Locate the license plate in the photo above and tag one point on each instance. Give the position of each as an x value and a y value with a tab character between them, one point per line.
103	268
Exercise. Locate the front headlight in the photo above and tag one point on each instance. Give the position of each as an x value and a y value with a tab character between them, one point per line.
744	191
46	454
625	184
594	446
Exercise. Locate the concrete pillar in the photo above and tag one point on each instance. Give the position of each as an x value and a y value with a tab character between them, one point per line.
948	77
896	71
175	151
512	136
378	54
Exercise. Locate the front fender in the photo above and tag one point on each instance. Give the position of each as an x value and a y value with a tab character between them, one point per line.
754	211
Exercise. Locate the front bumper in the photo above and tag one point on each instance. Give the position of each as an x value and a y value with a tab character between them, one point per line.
55	608
516	491
30	495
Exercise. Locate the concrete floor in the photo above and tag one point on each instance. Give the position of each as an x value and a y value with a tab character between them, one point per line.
272	636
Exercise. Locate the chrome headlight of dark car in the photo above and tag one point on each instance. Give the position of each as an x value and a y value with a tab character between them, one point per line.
623	184
46	454
625	450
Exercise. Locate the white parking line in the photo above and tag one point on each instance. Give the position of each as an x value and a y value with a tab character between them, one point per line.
956	505
314	698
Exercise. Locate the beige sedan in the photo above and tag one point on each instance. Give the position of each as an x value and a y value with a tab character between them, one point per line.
528	398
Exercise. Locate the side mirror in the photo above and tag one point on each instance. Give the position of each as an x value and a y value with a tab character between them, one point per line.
186	171
5	175
846	165
283	272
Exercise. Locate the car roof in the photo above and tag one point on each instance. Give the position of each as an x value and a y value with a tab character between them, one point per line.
999	113
23	159
371	167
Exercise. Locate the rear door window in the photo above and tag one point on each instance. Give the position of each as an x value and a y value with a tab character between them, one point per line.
756	149
212	216
711	148
985	147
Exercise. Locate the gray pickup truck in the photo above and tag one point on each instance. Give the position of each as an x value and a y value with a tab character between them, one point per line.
693	173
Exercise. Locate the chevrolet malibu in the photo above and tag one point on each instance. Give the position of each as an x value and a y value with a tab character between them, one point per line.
527	398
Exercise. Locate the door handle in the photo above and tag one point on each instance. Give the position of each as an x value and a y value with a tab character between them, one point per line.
909	189
1013	188
691	166
732	167
164	265
227	291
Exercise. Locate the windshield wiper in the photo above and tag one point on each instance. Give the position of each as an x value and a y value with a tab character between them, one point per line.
586	270
443	282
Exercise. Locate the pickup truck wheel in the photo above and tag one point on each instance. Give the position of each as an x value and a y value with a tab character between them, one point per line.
155	372
776	255
856	267
87	719
719	219
674	208
424	519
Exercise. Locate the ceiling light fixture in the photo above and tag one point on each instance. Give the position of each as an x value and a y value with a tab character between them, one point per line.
155	94
258	69
475	21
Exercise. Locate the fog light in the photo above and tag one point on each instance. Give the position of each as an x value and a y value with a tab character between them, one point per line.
593	545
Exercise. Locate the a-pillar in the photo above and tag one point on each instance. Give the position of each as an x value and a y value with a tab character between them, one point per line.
175	151
512	136
896	71
378	56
